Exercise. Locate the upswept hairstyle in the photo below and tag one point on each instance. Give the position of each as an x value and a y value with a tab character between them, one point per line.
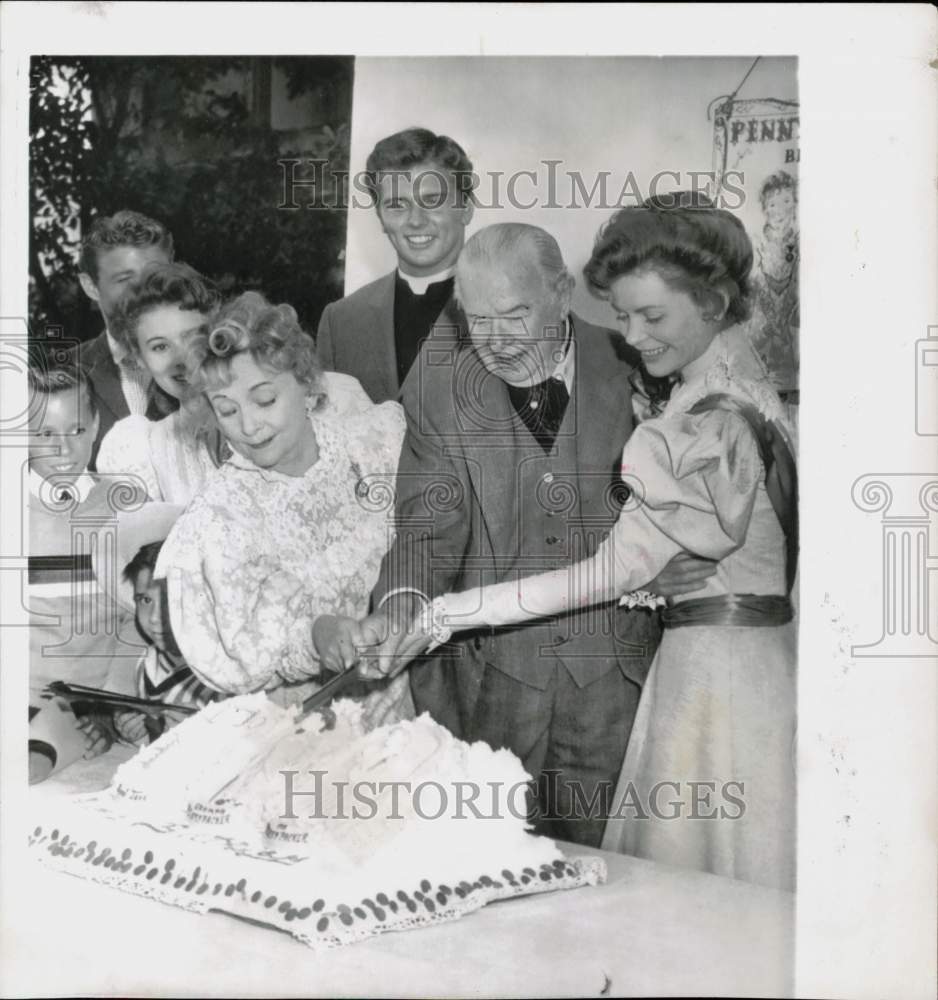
270	334
123	229
157	285
414	147
694	247
50	381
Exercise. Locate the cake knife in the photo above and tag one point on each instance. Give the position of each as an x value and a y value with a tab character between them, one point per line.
329	690
98	696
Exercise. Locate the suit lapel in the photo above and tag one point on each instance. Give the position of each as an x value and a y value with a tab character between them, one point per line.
106	378
603	417
382	321
490	447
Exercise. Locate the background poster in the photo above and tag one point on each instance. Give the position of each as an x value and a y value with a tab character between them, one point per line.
756	153
557	141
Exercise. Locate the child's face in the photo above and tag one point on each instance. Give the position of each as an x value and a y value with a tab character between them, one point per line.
152	613
779	207
62	434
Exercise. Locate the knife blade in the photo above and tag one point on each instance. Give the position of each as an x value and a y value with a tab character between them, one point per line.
329	690
99	696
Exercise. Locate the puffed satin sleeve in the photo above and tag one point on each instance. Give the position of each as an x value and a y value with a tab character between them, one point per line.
242	624
125	450
695	479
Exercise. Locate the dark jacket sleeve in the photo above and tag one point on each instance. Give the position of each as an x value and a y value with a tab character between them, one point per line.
432	503
325	346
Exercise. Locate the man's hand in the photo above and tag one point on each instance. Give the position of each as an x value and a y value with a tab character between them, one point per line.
683	575
338	641
393	640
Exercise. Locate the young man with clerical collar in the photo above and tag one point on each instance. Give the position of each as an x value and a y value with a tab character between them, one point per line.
421	184
113	252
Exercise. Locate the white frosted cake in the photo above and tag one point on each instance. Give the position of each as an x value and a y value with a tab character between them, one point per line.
327	831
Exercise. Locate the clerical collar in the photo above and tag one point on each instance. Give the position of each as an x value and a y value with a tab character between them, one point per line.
419	285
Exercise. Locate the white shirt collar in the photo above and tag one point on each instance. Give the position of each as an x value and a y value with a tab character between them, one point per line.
565	366
117	349
47	490
419	285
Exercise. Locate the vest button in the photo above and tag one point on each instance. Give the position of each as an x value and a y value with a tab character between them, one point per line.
552	539
548	477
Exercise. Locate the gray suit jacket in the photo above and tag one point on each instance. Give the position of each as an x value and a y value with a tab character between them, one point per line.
356	336
94	358
457	504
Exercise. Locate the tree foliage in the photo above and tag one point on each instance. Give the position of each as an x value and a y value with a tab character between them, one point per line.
177	139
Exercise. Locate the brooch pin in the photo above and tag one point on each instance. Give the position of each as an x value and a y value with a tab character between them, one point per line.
361	487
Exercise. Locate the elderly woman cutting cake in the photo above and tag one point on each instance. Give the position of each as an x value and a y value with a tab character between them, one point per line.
288	536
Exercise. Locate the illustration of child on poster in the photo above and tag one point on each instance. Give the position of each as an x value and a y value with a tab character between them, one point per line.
756	143
775	319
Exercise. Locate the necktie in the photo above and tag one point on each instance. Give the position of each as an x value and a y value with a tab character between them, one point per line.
541	408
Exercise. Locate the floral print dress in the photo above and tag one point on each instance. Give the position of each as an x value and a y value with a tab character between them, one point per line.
258	555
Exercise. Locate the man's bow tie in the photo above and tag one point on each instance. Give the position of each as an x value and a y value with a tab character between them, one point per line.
541	408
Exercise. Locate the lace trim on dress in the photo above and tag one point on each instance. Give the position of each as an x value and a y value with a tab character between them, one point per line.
737	371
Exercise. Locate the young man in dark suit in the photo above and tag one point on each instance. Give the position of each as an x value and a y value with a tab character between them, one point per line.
115	250
421	184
